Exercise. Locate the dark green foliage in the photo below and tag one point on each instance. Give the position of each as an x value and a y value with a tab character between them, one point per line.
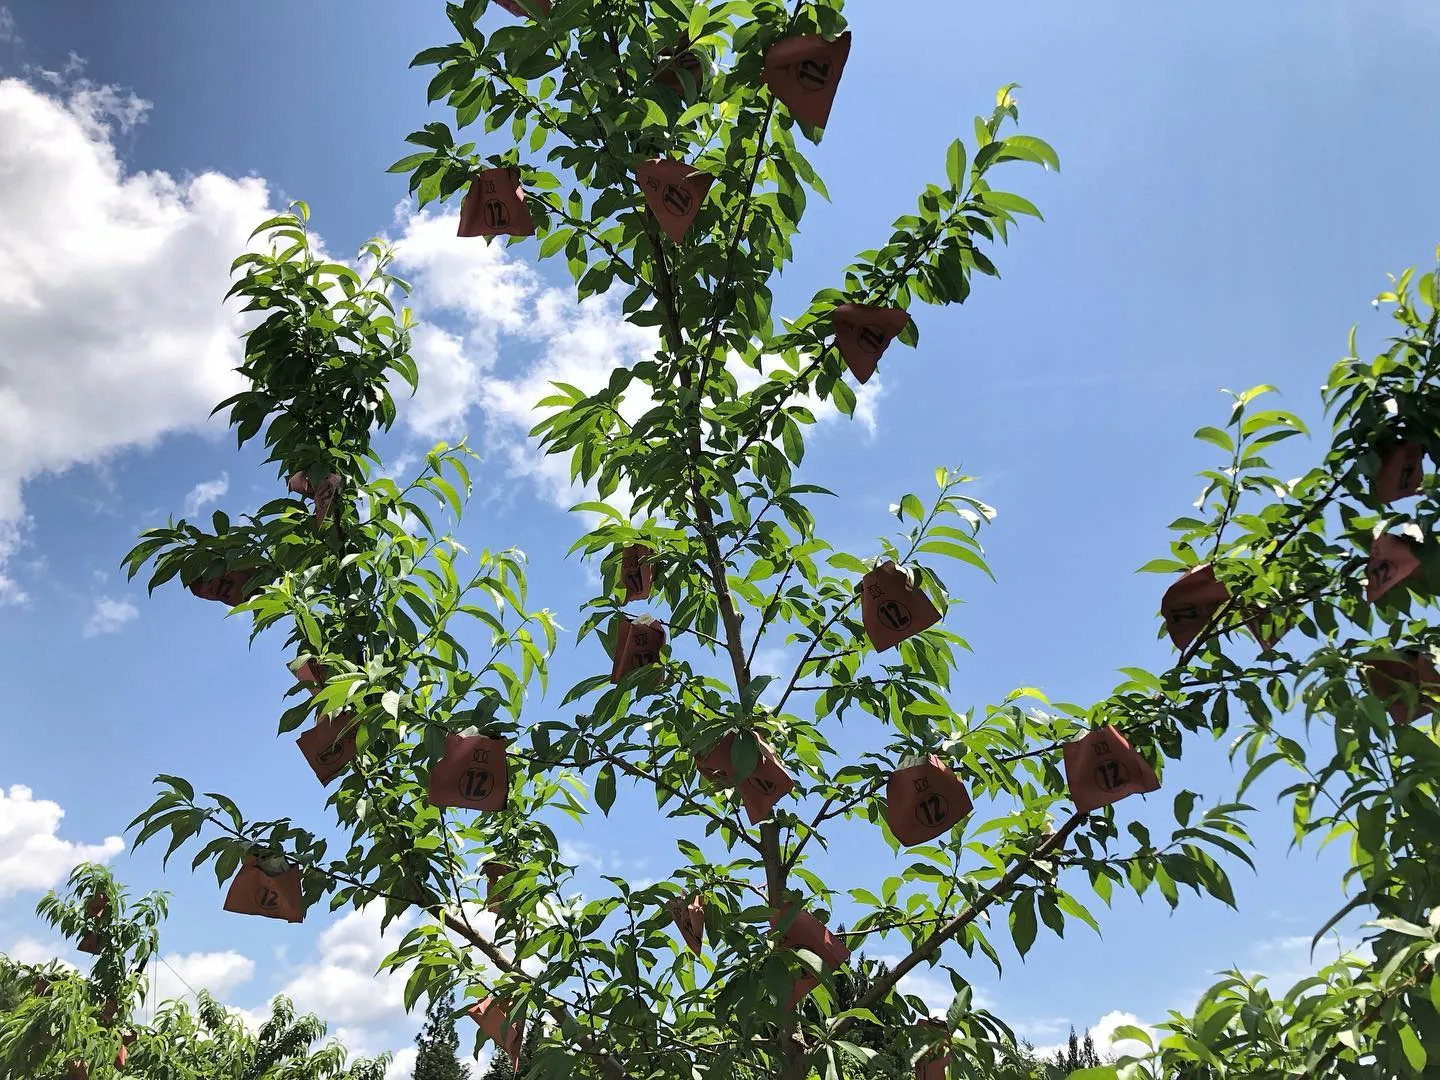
439	1044
500	1067
695	451
52	1015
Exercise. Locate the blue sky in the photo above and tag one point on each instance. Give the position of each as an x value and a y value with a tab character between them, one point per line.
1237	179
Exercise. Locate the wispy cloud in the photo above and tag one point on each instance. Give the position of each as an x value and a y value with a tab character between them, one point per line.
109	616
205	493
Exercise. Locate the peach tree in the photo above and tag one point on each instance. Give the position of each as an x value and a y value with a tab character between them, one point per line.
659	147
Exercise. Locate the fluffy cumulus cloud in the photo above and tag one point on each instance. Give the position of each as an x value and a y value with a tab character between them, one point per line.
33	857
109	615
112	331
1104	1033
363	1007
342	985
495	336
217	972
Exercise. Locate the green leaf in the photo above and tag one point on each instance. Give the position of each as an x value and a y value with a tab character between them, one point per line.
955	164
1029	148
605	788
1022	922
1410	1045
1219	438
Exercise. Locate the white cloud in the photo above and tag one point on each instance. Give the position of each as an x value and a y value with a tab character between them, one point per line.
109	616
30	951
205	493
402	1066
112	330
11	592
1103	1032
489	294
218	972
343	985
8	33
580	853
32	856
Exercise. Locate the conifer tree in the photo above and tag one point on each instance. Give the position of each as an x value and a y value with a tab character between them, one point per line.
439	1045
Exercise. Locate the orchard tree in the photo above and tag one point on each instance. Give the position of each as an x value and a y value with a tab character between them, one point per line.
438	1044
61	1023
659	144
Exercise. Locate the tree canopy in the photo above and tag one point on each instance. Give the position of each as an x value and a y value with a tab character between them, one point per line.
660	146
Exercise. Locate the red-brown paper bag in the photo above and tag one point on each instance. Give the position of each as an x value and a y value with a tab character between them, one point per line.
494	205
761	790
96	905
674	70
324	497
515	9
491	1015
90	943
329	746
472	775
936	1065
1102	768
1401	471
1267	628
804	72
637	572
808	932
1387	677
269	888
1189	603
925	800
689	920
674	192
892	609
228	588
637	644
494	871
765	787
863	333
309	672
1392	560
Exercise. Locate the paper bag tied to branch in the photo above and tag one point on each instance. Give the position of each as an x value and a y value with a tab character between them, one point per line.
227	588
924	801
892	609
637	572
329	746
1189	603
473	774
804	72
491	1014
637	645
1393	560
808	932
689	919
1102	768
1406	682
266	887
674	192
863	333
1401	471
494	205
